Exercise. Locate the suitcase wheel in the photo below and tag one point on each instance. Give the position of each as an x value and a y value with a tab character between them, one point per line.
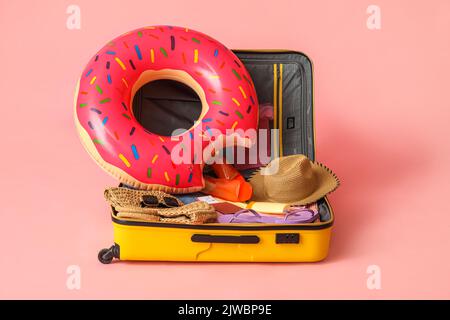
106	256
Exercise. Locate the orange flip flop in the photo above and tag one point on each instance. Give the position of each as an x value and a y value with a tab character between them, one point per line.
230	184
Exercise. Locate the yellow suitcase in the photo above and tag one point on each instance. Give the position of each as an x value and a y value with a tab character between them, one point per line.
283	79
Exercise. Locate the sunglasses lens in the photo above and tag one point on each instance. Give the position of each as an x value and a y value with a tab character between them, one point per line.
171	202
149	200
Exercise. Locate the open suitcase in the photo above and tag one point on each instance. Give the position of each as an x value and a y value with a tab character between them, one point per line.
283	79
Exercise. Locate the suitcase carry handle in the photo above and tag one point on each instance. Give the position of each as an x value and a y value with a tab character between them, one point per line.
224	239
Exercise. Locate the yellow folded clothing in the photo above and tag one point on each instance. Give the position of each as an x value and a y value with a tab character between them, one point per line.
263	207
269	207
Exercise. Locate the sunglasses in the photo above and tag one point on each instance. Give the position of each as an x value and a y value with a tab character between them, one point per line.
153	201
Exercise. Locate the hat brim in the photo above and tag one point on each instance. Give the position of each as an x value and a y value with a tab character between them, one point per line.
327	182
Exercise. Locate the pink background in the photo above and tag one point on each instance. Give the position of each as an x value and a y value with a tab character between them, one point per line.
382	123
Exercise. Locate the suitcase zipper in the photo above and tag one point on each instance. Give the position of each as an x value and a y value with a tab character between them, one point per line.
213	226
276	141
280	109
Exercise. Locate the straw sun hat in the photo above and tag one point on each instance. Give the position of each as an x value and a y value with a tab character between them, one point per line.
293	179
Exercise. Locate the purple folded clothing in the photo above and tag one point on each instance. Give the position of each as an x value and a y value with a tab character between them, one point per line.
294	215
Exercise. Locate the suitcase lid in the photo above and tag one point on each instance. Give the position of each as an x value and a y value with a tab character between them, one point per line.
284	80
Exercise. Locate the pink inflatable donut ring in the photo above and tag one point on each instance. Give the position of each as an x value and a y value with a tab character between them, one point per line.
121	145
